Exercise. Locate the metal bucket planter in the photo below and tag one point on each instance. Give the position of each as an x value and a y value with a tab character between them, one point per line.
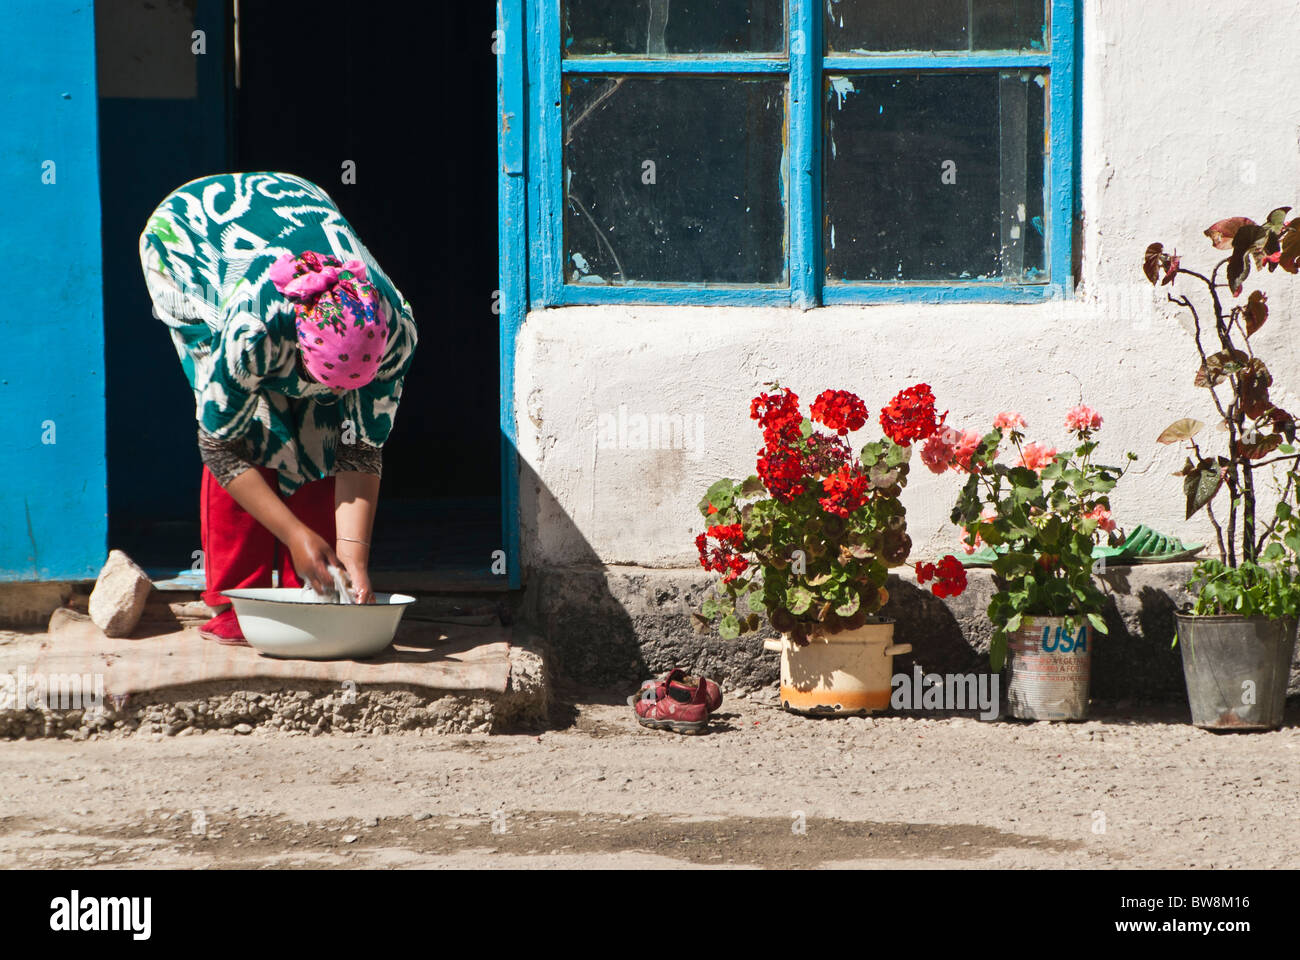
1236	669
1049	670
846	674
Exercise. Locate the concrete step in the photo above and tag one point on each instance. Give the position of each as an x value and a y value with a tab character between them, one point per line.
437	677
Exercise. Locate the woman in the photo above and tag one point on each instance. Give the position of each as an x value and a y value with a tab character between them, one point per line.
295	344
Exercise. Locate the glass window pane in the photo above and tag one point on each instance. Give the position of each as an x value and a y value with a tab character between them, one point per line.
674	179
934	177
653	28
888	25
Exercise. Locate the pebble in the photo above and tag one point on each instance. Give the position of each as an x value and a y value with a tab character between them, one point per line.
243	728
423	816
350	838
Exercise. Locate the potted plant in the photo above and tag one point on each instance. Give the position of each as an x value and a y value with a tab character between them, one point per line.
1238	636
1042	516
809	541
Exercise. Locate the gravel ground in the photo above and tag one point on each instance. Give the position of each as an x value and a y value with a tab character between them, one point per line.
763	789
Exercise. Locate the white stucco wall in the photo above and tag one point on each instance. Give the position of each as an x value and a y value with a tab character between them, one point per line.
1185	121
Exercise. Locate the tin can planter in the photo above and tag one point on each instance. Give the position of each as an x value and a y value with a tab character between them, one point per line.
1049	670
1237	670
845	674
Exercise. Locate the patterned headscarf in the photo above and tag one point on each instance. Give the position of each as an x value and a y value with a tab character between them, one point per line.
340	320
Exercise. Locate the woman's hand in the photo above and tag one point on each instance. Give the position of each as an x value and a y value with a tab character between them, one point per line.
312	558
356	560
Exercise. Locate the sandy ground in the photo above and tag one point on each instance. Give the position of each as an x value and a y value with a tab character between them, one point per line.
762	789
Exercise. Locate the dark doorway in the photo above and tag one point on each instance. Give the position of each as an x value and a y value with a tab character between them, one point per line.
403	96
407	93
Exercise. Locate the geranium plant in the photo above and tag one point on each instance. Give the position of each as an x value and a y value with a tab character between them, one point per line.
1254	574
810	538
1041	514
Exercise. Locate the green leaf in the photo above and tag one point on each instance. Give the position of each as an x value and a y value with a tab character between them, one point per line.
752	487
897	454
711	606
1201	486
798	599
998	650
1098	623
729	628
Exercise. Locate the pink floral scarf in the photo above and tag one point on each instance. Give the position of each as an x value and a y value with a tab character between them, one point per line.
341	326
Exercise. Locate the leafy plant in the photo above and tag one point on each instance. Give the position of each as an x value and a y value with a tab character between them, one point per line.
1246	590
1258	432
810	539
1041	516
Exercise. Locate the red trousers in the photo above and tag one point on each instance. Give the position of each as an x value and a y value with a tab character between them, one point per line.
238	551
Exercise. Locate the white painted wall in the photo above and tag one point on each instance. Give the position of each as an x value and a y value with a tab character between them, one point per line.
1185	121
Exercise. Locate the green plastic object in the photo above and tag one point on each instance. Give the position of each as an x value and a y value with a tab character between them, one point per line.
1143	545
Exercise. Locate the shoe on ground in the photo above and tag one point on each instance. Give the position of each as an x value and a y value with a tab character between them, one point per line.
224	628
665	706
680	680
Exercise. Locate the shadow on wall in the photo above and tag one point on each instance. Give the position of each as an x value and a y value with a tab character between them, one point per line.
611	625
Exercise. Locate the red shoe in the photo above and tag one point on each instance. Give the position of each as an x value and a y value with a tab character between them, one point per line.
678	678
224	628
664	706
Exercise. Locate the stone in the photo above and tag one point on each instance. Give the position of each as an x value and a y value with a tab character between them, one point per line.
243	728
62	617
423	816
120	595
350	838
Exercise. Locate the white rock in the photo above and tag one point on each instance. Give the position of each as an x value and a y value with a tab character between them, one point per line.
120	594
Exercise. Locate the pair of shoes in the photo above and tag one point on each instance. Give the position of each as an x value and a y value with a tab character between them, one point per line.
679	679
224	628
671	703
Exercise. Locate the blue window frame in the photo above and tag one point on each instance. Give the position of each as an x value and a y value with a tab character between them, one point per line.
794	161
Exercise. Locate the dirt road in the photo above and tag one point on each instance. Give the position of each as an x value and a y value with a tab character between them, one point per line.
764	789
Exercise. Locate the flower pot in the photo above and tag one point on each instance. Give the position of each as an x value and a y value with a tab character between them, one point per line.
1049	669
1236	669
847	673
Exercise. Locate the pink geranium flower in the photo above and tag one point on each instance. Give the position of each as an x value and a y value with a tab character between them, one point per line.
967	443
1008	420
937	451
1035	456
1083	418
1103	518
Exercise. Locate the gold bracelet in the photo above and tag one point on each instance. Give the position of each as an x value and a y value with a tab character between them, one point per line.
364	543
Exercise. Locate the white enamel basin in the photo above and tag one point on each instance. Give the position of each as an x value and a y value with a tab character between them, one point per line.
280	622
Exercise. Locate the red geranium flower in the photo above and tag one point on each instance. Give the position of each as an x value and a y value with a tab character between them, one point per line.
778	414
782	472
840	410
845	490
948	574
910	416
723	558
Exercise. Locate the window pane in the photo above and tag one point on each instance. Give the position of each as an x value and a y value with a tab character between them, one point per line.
889	25
674	179
651	28
934	177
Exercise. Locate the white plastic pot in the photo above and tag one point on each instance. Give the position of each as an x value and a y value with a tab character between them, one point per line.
848	673
278	622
